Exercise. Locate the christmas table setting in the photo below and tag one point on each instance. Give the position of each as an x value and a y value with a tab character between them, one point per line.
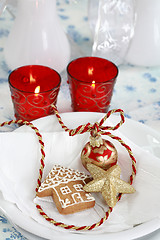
78	114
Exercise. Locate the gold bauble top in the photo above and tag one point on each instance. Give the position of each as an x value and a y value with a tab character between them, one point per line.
96	141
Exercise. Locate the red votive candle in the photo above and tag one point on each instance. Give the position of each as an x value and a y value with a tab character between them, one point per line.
91	82
34	88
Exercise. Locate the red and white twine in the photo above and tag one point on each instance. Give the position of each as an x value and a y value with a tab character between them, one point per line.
98	127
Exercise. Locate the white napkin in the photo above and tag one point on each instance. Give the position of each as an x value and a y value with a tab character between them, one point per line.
20	162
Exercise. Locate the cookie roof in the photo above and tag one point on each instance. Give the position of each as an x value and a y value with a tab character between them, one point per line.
59	175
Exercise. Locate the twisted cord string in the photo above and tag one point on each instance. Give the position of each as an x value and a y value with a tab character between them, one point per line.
42	213
88	127
73	227
129	152
99	128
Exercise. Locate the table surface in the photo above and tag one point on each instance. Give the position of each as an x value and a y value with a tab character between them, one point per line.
137	90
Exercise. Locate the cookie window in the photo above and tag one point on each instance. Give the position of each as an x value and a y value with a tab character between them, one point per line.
78	187
65	190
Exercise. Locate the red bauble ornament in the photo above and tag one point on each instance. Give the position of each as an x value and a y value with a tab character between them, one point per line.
100	152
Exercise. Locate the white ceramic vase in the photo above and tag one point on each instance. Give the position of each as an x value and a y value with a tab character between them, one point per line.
144	47
37	36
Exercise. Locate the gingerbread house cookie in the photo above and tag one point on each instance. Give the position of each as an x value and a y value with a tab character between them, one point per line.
66	188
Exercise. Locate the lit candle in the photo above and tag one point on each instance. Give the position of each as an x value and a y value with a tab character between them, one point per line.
93	88
34	89
37	90
90	73
91	81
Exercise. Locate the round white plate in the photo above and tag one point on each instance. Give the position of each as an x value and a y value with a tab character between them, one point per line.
140	134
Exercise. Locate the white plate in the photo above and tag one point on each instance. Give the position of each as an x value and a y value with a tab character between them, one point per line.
137	132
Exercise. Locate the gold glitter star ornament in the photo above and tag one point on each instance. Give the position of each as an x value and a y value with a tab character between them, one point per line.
108	183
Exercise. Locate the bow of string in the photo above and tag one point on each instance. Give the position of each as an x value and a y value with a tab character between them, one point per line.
97	127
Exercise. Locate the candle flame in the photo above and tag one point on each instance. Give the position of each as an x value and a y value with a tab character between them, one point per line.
37	90
90	71
93	84
32	79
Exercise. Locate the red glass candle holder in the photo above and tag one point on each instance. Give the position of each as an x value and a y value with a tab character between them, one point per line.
34	89
91	82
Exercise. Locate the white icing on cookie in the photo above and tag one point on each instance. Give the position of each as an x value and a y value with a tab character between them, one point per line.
59	175
67	184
